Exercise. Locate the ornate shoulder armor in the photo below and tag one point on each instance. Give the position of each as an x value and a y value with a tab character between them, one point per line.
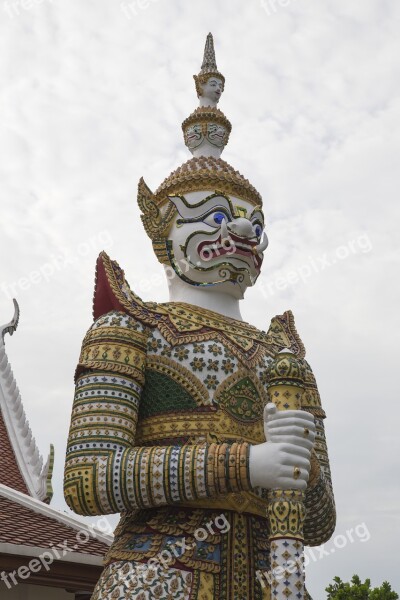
112	292
282	333
115	342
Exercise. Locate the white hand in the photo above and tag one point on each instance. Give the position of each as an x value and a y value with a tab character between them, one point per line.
290	436
272	465
292	426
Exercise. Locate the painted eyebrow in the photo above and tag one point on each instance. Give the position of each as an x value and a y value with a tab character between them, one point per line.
206	200
210	203
207	213
257	211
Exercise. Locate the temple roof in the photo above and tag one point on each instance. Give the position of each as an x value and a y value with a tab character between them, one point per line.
28	526
26	522
22	465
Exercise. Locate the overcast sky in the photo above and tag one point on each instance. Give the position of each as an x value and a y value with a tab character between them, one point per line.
92	96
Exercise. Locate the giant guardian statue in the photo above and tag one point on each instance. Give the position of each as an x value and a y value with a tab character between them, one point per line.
204	432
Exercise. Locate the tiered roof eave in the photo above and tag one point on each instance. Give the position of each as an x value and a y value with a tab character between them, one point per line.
36	475
43	510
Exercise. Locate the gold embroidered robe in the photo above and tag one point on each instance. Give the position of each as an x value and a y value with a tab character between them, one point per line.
169	398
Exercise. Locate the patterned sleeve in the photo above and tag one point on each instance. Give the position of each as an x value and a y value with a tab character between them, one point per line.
320	504
105	472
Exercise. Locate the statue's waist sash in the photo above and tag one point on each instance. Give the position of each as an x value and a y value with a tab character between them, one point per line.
197	427
242	502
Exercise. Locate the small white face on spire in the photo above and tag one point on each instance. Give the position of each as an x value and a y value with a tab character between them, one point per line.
211	92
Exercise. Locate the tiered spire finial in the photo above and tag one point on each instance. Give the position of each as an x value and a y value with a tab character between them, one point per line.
206	130
210	82
209	64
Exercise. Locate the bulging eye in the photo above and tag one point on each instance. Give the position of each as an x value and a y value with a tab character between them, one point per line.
215	219
258	230
219	217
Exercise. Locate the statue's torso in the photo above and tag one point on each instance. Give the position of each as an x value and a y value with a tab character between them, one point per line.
205	380
202	390
202	384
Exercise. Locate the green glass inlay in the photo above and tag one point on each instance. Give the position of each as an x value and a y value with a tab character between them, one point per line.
163	394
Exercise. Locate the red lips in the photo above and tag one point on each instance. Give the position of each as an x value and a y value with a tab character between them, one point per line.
232	245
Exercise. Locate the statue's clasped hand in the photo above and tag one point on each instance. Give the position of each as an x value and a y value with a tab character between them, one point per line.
292	426
283	461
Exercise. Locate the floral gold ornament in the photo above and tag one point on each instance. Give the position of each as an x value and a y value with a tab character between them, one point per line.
170	397
207	173
286	515
155	223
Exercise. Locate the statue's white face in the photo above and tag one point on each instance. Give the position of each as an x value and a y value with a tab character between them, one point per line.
214	241
216	134
194	136
213	89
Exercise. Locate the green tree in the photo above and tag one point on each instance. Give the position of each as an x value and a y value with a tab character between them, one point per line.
356	590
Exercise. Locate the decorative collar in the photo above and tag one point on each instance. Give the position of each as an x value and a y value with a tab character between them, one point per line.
182	323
